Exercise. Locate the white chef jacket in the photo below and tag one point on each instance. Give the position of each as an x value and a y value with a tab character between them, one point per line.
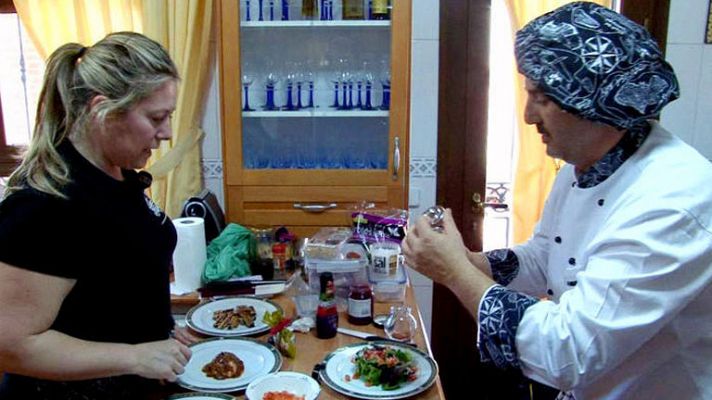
627	265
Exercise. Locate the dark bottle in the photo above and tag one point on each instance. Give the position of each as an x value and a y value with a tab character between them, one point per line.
327	316
379	9
352	9
360	304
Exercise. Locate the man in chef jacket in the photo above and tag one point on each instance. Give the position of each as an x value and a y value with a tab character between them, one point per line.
611	297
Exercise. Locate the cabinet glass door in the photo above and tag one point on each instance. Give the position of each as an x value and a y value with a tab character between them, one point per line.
315	84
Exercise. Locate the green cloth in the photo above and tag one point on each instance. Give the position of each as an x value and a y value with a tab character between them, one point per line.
230	254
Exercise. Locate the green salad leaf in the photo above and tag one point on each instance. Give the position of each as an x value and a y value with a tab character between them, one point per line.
384	366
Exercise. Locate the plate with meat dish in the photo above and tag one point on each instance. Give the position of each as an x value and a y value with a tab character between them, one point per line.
379	370
231	316
221	365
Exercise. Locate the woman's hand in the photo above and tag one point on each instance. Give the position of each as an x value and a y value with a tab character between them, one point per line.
163	359
184	335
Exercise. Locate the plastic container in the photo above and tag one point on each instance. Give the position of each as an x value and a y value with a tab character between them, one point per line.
346	271
388	288
328	244
389	292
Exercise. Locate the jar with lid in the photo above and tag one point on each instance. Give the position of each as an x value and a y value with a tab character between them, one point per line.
327	316
360	308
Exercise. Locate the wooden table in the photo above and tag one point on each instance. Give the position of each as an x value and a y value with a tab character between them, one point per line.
311	350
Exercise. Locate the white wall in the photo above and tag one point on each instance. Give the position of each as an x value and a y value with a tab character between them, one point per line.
425	39
423	130
690	117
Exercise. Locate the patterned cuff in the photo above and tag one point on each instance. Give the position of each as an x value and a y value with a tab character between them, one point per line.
500	312
504	265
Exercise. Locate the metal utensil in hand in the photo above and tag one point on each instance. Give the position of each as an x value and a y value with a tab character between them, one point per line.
435	214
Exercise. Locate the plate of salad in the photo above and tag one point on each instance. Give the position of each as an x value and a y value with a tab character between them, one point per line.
379	370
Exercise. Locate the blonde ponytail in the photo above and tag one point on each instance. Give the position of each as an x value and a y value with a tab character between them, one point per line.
125	67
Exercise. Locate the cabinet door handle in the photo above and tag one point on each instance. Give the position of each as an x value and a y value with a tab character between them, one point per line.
314	208
396	157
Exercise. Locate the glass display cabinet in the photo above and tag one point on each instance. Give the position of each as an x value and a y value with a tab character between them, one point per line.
314	109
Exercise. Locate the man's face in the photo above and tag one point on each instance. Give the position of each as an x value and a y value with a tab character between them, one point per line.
563	133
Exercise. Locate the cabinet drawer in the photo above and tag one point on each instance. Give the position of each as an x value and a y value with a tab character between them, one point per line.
275	205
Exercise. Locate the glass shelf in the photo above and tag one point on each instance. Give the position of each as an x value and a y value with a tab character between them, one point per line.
316	23
314	114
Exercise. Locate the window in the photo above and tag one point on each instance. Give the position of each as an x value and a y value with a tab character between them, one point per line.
21	72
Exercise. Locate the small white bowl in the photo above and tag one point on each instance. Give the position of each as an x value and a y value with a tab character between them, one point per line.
293	382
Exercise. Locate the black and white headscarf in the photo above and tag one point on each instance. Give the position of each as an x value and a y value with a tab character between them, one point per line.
597	64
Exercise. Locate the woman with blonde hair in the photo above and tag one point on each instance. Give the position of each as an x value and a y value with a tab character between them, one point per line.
84	253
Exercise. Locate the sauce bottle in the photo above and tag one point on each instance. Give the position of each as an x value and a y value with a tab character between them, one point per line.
327	316
360	304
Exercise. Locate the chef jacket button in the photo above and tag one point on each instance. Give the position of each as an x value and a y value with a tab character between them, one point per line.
600	202
572	283
550	292
557	239
572	261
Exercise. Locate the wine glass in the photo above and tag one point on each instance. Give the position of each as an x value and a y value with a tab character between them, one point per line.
271	80
309	78
247	10
290	79
300	80
247	78
345	77
385	77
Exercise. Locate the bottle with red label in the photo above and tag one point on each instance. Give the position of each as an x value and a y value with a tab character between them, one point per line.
360	304
327	316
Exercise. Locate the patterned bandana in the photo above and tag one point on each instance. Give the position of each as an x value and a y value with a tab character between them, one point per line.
597	64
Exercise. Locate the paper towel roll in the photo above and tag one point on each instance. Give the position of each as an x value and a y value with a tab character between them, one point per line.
190	254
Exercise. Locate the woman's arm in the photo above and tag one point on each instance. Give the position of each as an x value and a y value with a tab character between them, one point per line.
30	303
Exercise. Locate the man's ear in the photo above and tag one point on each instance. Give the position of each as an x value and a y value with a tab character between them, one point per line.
96	100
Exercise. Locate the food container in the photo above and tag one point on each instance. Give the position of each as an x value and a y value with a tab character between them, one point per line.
328	244
389	292
348	267
386	273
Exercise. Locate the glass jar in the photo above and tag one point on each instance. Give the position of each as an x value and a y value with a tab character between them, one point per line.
360	304
401	324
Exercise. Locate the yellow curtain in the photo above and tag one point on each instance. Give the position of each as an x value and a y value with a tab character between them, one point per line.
535	170
184	28
51	24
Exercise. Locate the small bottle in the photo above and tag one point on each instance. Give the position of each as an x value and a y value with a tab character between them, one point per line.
380	9
327	316
352	9
360	304
309	9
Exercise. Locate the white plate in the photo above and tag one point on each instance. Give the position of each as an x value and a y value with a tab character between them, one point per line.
200	317
259	359
201	396
339	364
293	382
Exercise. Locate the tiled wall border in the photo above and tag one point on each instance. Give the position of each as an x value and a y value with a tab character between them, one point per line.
212	168
420	167
423	167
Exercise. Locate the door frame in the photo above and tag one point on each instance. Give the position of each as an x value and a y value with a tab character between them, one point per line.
461	171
